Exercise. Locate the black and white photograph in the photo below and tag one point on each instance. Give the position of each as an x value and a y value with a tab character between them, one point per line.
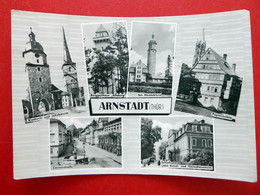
85	143
50	73
107	58
209	83
177	143
151	59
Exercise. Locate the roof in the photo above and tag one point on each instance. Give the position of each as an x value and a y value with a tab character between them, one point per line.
172	131
195	122
101	28
55	89
223	64
72	127
54	120
139	63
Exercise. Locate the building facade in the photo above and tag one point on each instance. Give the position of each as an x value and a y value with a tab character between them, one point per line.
138	72
191	138
59	137
110	136
105	133
220	84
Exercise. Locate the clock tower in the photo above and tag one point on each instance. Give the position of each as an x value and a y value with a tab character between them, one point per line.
39	76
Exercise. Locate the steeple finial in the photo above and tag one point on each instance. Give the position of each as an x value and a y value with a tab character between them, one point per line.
67	57
32	35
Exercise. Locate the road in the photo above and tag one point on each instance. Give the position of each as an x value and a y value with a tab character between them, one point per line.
98	158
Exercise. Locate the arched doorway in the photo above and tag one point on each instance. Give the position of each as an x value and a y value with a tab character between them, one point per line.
43	106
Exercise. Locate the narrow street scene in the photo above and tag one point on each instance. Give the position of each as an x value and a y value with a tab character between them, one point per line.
85	143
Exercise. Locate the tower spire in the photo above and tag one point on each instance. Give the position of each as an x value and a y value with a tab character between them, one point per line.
67	57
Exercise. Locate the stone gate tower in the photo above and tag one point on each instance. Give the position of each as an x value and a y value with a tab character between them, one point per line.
39	76
151	57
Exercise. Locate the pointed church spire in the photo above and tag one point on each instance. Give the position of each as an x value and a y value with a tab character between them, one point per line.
67	57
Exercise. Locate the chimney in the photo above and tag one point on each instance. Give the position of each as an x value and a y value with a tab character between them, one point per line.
225	56
234	67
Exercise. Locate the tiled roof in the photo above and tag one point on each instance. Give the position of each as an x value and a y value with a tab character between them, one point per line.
223	64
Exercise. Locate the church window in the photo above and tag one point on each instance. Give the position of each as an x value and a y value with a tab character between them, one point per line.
204	143
210	143
39	69
40	79
194	142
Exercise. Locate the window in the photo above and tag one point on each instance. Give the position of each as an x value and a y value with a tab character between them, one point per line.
51	150
37	60
204	144
208	88
205	99
216	89
194	128
210	143
39	69
211	100
69	69
204	67
40	79
194	142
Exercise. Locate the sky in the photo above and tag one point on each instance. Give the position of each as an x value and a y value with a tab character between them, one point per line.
164	34
78	122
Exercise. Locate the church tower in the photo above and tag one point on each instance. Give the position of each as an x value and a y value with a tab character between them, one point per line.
102	38
70	74
200	50
39	76
151	57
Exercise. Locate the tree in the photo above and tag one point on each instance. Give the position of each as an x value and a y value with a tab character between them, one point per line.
111	65
168	71
162	150
149	136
